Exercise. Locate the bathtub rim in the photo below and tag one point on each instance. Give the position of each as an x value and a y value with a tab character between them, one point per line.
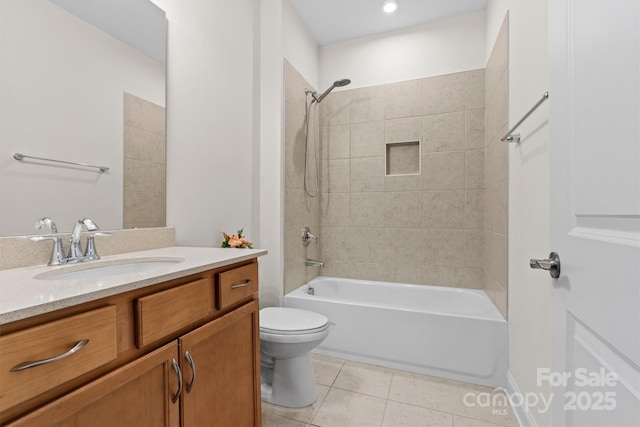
492	315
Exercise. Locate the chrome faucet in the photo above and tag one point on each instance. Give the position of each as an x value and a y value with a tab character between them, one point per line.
75	250
57	254
91	253
314	263
307	236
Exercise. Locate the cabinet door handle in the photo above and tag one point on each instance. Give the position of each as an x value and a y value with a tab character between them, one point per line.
33	364
176	368
187	356
241	284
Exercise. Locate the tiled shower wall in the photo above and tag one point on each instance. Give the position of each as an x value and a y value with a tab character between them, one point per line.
496	180
424	228
144	177
300	209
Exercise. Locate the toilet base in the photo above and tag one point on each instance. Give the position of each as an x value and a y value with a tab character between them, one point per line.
292	382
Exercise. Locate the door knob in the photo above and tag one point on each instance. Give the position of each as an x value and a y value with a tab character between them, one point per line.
552	264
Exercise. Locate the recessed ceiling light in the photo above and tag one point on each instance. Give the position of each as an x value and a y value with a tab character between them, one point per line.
389	6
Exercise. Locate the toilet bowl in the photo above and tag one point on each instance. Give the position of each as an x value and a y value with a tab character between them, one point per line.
287	335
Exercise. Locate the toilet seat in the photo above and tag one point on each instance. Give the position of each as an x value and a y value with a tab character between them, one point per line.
291	321
286	320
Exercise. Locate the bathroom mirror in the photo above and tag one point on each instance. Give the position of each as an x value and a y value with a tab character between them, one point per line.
70	70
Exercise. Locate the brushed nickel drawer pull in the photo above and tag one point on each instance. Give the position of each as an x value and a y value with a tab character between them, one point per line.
176	368
187	356
33	364
241	284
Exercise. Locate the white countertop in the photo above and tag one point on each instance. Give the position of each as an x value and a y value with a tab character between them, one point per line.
23	296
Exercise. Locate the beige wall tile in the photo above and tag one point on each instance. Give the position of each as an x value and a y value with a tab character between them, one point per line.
413	274
445	247
294	142
335	109
367	209
369	271
367	174
295	86
474	209
473	248
502	208
140	144
398	130
474	89
474	169
474	129
443	171
361	244
444	132
143	114
403	209
444	209
339	176
404	246
339	142
437	275
141	176
367	139
367	104
142	209
335	209
443	94
473	278
403	99
403	183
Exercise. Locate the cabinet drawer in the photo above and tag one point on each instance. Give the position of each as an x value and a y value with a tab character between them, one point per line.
48	341
237	284
166	312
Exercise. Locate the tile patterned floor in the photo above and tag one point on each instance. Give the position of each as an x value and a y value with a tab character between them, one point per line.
357	395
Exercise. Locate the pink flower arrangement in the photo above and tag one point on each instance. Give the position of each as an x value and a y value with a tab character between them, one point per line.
235	241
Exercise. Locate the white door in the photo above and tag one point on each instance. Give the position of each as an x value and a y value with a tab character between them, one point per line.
594	121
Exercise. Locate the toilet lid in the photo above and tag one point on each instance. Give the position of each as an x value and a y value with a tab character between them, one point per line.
285	319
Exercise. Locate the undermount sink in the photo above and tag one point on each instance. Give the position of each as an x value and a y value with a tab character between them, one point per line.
100	270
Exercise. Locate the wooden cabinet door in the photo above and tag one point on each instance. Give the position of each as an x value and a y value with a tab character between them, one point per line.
138	394
226	356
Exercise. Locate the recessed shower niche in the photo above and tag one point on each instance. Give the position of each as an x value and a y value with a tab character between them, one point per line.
402	158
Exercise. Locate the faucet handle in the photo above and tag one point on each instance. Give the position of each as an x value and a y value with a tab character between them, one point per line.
307	236
91	253
46	222
57	255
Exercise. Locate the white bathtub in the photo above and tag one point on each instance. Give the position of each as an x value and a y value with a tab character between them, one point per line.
445	332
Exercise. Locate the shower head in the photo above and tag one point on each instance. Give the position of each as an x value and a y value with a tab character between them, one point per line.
337	83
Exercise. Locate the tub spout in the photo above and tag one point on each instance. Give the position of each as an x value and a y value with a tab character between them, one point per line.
313	263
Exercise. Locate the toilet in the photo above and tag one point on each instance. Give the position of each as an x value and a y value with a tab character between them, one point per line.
287	335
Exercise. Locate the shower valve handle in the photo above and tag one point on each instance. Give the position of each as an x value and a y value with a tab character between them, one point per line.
307	236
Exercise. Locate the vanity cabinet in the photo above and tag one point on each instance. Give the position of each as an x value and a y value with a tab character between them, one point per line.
137	394
181	353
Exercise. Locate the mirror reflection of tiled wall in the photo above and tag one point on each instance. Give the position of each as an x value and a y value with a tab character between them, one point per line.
144	177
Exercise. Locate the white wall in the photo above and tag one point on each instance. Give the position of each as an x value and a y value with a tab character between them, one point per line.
210	113
529	302
62	83
270	146
282	35
442	47
298	45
